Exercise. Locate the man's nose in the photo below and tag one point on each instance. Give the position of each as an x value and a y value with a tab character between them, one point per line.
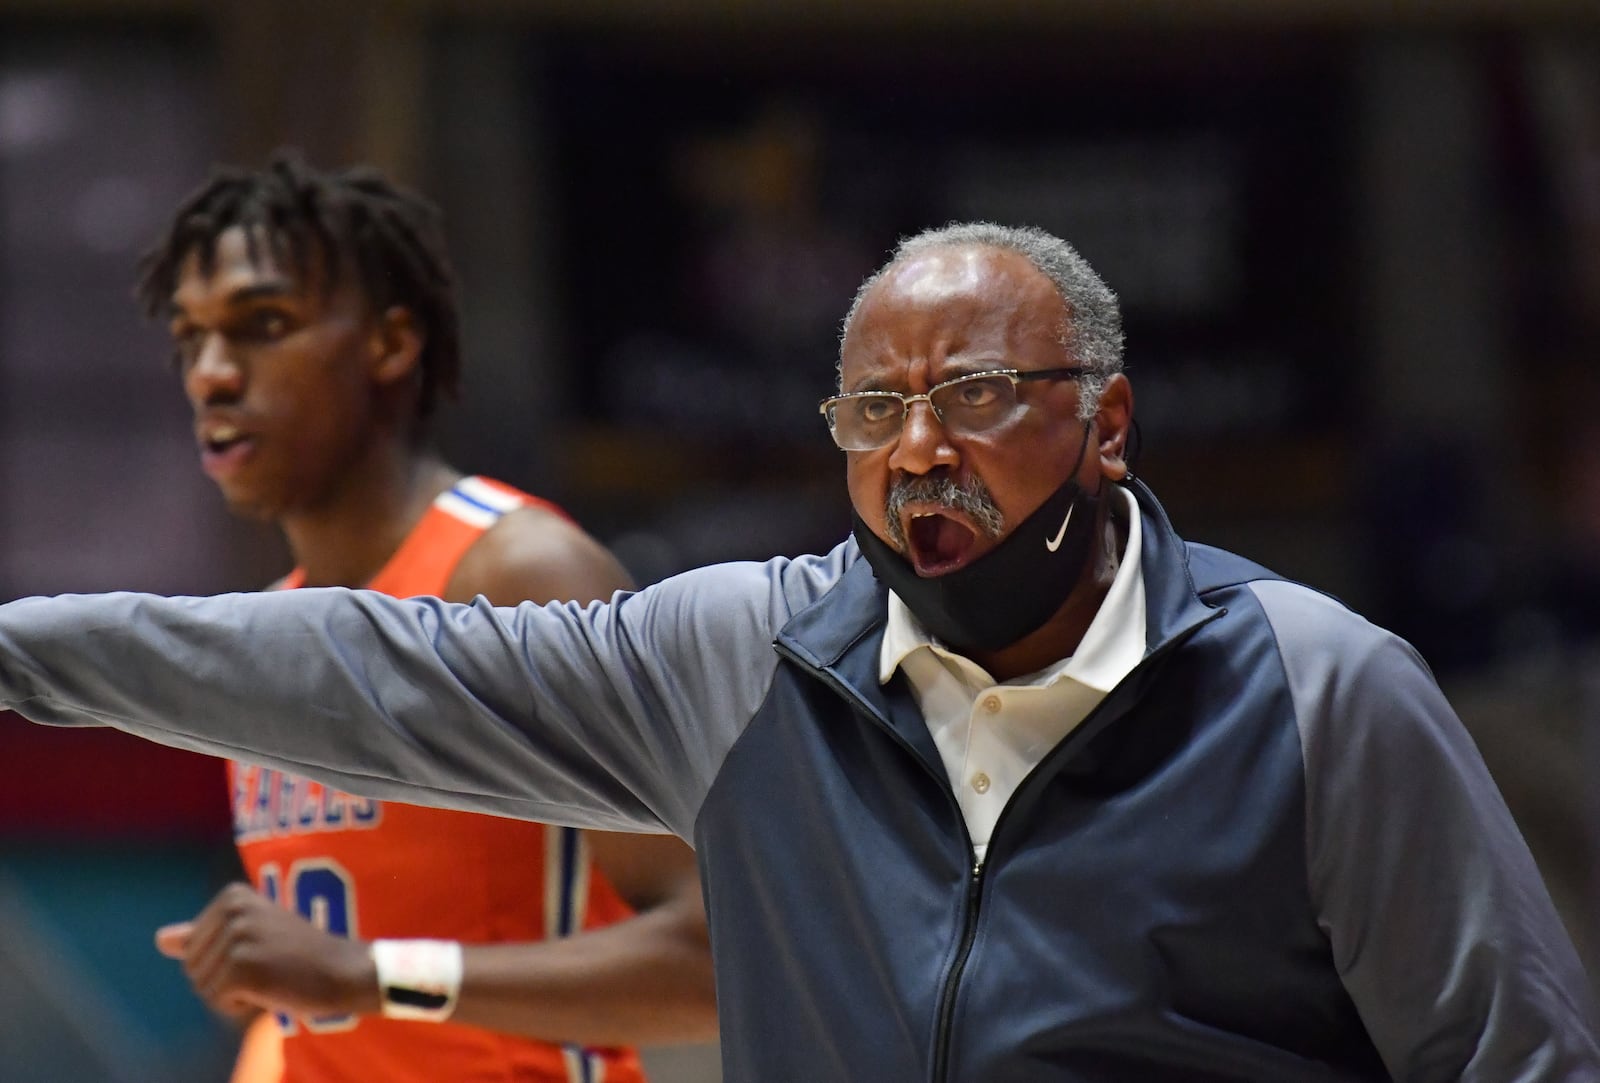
214	372
923	444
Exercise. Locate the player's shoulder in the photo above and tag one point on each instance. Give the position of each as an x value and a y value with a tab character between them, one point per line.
534	552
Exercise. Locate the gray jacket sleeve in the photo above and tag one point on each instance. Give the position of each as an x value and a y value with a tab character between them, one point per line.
1439	922
615	716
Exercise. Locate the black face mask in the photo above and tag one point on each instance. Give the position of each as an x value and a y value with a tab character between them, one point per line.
1011	590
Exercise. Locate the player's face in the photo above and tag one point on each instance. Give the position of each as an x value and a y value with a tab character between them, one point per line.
943	314
274	367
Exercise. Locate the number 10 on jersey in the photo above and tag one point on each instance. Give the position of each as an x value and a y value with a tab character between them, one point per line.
322	892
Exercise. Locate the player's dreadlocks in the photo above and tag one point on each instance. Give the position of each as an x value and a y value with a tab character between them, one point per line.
393	237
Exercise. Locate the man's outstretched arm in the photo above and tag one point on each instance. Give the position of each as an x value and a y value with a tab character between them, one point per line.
610	717
415	700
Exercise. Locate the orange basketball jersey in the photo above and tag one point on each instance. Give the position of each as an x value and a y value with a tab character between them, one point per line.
372	869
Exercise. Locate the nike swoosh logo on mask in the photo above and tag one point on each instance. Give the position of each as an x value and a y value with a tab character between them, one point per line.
1052	544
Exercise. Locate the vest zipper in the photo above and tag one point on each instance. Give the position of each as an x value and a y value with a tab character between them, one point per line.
947	996
969	915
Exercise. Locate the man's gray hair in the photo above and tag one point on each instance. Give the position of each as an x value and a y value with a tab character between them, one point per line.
1093	334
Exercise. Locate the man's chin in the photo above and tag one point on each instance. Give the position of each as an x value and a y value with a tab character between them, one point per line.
253	506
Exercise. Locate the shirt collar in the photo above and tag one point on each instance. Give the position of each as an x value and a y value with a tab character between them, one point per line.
1111	647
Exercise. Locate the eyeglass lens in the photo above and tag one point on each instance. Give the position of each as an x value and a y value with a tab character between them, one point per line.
964	407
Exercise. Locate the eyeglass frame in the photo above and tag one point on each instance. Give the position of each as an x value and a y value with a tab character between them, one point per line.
1017	376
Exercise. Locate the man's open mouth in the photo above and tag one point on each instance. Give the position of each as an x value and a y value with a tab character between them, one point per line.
220	438
939	543
224	450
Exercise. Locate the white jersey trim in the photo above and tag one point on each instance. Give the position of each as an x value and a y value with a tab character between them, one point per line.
479	491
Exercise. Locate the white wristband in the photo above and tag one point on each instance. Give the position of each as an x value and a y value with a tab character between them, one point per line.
418	979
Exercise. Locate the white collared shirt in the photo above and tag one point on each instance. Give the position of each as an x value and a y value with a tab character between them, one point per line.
991	735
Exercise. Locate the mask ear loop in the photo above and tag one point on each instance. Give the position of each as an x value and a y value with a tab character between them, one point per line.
1134	446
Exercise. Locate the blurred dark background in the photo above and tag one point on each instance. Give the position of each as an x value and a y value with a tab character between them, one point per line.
1358	245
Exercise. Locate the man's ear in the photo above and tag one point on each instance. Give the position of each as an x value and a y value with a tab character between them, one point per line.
396	346
1113	423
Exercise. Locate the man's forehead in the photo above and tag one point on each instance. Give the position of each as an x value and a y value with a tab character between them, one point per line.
958	274
971	283
241	257
942	273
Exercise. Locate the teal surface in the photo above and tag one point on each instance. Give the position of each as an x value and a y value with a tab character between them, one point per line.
90	910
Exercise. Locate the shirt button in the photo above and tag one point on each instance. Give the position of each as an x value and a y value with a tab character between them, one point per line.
980	782
991	704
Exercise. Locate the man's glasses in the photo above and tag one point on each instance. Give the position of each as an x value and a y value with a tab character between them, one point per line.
970	405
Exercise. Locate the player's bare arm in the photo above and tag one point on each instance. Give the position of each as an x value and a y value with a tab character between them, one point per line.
645	981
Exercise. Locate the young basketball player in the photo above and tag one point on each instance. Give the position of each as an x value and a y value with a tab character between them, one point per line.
315	327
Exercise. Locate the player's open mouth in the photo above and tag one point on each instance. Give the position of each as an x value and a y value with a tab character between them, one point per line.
223	448
939	543
219	438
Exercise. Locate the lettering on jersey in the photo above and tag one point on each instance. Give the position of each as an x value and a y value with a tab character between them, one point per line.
269	803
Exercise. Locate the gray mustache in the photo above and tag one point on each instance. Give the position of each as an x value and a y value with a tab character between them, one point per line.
971	498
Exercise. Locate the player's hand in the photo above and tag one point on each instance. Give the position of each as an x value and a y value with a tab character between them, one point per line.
244	952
